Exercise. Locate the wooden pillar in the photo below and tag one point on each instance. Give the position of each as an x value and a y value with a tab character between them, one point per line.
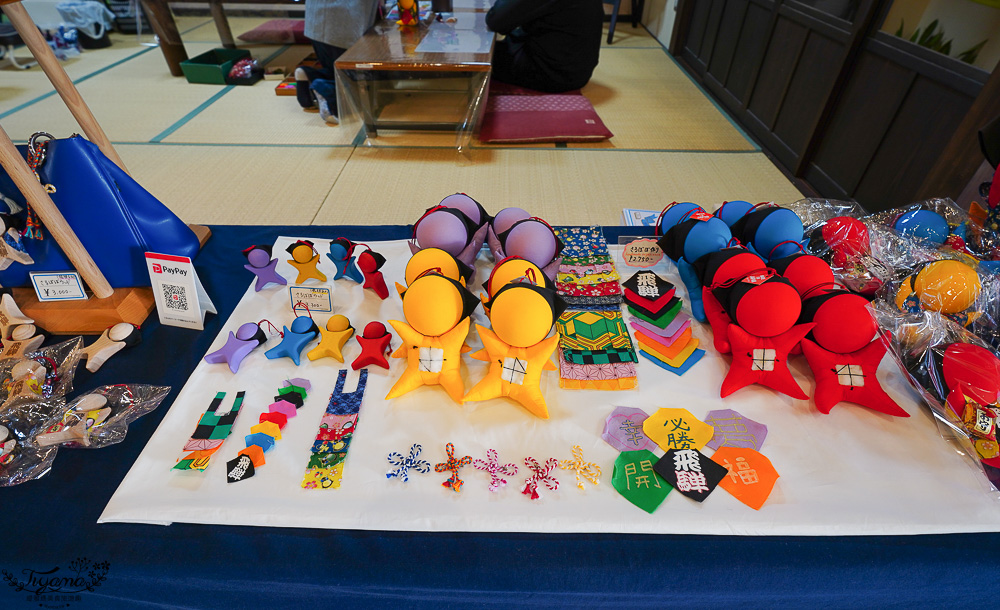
961	157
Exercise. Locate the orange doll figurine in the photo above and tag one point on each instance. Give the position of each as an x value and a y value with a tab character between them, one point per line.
375	344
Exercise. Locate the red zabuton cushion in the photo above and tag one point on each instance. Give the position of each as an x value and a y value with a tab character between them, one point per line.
278	31
518	115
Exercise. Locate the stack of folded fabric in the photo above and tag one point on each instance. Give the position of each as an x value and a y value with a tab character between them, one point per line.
595	350
662	331
587	278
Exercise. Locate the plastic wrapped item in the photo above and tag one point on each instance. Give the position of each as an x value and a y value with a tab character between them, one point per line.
955	285
245	72
91	19
20	458
39	375
101	417
958	377
940	224
864	256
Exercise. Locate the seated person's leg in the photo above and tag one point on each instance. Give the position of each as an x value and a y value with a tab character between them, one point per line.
304	76
513	65
327	55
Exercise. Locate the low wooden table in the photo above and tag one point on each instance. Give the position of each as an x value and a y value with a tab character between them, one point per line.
432	76
163	24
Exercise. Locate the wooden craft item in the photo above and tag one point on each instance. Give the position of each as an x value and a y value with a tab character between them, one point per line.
111	341
93	413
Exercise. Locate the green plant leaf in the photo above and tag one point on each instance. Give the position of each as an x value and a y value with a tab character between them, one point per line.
929	32
969	56
899	32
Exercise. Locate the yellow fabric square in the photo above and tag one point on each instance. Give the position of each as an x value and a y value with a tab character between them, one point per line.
269	428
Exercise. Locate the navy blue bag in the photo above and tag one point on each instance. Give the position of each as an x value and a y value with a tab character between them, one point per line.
116	219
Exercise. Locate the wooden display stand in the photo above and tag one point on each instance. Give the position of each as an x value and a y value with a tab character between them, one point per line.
91	317
107	306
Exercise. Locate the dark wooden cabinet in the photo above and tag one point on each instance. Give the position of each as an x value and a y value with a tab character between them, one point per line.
854	112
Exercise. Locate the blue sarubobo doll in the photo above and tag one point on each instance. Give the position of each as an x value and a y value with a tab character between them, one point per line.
772	232
342	255
694	237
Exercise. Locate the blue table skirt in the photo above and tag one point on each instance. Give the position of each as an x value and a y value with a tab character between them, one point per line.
52	521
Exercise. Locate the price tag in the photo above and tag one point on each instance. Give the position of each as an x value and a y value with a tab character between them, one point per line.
58	286
642	253
315	298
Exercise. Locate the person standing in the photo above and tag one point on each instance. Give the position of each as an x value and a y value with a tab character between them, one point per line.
550	45
332	26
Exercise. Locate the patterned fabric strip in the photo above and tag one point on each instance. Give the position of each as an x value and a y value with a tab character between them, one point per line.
587	279
605	356
599	265
613	302
593	331
595	372
607	385
593	290
211	427
586	261
326	464
582	241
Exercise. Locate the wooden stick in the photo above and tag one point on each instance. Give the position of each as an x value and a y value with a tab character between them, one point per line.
17	168
33	39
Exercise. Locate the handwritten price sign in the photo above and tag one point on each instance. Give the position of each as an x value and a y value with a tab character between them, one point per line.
65	286
642	253
316	299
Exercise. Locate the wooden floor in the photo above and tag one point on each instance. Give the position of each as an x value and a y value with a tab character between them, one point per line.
242	155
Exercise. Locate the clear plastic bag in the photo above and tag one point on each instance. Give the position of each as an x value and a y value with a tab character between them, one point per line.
958	376
20	458
957	286
934	224
91	18
864	256
40	375
31	433
101	417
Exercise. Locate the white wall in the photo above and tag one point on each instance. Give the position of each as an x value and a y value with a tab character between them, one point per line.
659	19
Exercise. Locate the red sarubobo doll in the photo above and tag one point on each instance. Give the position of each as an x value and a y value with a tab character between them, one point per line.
844	352
764	309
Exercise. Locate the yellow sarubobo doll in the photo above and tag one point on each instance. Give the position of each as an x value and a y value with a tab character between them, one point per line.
437	311
437	260
517	349
948	286
513	269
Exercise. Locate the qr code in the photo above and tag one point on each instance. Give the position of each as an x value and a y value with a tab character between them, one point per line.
174	297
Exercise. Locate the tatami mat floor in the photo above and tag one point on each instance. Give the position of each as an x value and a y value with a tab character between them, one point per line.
242	155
